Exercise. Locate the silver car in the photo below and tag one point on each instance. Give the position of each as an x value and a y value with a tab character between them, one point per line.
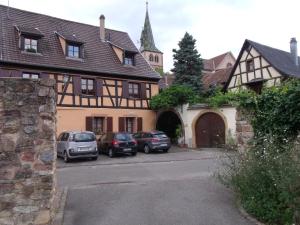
73	145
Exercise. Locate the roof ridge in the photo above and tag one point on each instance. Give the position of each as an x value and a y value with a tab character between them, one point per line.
277	49
53	17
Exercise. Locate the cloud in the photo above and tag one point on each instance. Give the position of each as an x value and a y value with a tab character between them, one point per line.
218	25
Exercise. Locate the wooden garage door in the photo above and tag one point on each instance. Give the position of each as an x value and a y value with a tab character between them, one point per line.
210	131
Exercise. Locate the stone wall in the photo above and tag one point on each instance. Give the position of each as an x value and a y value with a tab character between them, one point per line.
27	150
244	130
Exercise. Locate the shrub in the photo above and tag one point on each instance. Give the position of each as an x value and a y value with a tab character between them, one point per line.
172	97
266	182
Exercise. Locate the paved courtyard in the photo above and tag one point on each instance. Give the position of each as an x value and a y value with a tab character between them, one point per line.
177	188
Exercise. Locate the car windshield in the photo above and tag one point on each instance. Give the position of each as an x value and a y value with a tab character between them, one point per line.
160	135
123	137
84	137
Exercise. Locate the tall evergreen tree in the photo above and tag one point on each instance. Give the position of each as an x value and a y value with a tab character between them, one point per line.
188	64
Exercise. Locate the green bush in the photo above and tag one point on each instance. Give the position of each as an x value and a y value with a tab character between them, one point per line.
266	182
267	176
173	96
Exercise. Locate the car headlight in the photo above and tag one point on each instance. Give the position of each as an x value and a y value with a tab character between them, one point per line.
71	150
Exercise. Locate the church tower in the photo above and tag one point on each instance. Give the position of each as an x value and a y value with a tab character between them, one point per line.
148	48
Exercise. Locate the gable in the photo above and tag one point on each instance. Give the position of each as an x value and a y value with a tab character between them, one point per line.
263	71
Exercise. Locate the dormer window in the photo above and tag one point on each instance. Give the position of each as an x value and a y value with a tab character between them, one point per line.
29	38
128	58
30	45
73	51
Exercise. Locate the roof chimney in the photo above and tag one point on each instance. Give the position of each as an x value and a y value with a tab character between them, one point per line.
102	27
294	51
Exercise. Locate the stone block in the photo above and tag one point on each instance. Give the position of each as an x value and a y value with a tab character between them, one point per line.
27	156
47	82
43	91
42	218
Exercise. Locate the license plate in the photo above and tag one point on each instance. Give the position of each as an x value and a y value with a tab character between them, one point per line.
127	149
163	145
83	149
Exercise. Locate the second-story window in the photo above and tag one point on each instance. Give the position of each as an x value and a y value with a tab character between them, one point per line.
88	86
134	90
30	45
73	51
250	65
156	59
30	75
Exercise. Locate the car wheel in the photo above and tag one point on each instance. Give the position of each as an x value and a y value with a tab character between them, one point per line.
95	158
66	157
111	153
133	153
166	150
146	149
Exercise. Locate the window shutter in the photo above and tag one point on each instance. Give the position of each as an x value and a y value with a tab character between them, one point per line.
15	73
22	43
140	124
109	124
121	124
77	85
4	73
99	88
44	75
125	89
89	123
143	91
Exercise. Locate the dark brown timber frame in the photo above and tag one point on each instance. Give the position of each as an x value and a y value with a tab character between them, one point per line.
109	90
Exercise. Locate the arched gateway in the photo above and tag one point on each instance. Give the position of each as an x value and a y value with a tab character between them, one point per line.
210	130
168	121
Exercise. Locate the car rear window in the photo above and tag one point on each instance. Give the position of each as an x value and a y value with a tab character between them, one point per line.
123	137
160	135
84	137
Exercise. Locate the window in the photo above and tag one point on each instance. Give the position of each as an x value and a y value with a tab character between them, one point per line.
30	75
151	58
65	81
250	65
88	86
156	59
129	124
30	45
134	90
98	125
229	65
73	51
128	59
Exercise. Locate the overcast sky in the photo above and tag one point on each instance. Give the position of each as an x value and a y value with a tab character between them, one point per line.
217	25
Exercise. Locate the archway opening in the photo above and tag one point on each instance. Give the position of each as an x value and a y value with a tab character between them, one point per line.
169	122
210	131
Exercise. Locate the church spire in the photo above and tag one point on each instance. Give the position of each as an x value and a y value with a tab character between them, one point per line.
147	40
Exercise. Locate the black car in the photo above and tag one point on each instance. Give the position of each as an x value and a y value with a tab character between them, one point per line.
152	141
117	143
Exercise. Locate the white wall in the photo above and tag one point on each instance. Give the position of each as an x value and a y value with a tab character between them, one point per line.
190	116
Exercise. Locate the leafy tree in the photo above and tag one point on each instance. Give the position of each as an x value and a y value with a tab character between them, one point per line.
173	96
188	64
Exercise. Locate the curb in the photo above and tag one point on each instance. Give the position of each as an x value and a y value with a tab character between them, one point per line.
247	215
138	162
59	211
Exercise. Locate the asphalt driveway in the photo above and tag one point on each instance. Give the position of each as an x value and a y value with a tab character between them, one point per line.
156	189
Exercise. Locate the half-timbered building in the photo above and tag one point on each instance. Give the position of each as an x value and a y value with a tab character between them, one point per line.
258	65
103	82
